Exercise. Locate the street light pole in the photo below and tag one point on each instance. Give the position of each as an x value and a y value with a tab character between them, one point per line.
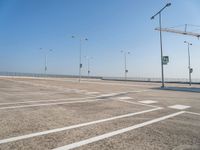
161	47
45	65
88	65
88	68
125	71
189	67
125	64
80	55
80	64
161	51
45	60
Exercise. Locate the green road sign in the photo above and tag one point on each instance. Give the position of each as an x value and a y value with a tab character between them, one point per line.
165	60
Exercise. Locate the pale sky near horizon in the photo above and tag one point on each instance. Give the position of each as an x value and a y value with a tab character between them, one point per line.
110	26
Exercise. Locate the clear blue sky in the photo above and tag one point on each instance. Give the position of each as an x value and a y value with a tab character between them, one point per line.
110	26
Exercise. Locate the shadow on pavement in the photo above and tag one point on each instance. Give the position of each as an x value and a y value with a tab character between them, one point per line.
181	89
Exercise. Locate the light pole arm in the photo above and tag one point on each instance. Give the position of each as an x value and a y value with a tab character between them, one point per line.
167	5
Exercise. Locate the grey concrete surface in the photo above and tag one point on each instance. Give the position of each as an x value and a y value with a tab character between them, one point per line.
53	103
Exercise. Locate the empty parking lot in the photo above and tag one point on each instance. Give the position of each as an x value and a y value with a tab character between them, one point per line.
61	113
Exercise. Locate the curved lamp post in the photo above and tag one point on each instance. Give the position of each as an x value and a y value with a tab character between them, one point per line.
125	63
161	49
189	67
45	59
80	54
88	64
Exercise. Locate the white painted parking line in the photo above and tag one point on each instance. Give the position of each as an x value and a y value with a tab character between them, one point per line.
38	101
51	86
49	104
26	102
125	98
81	91
91	93
137	103
193	113
107	95
114	94
179	107
12	139
117	132
148	102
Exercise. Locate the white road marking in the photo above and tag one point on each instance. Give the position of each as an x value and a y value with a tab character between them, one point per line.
125	98
12	139
49	86
38	101
26	102
91	93
117	132
179	107
81	91
137	103
49	104
148	102
107	95
193	113
114	94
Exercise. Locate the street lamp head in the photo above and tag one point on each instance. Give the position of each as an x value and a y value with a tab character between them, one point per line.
168	4
158	13
152	17
188	43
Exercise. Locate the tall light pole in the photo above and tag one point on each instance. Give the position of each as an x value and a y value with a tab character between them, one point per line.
88	64
161	49
80	55
125	64
189	67
45	59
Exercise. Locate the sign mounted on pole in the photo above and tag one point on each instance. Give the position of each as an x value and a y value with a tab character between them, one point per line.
165	60
191	70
